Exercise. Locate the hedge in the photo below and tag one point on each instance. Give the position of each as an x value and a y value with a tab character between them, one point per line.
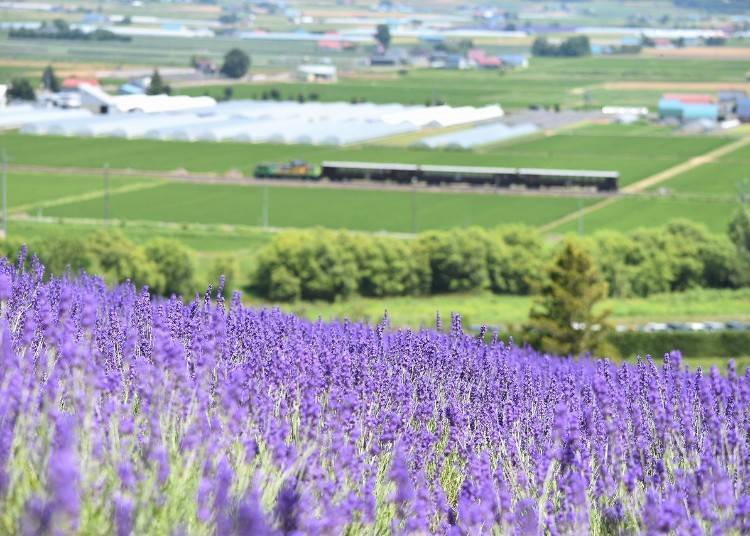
690	343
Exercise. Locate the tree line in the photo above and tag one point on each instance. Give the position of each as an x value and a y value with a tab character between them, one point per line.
60	29
333	265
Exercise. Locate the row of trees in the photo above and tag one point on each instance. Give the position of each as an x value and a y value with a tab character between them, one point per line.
60	29
166	266
575	46
332	265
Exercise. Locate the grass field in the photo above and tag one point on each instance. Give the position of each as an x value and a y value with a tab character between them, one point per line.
365	210
630	213
725	176
28	189
635	157
495	310
572	82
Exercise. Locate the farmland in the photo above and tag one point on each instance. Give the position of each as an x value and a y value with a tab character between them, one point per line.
573	83
635	157
498	310
635	151
633	212
335	208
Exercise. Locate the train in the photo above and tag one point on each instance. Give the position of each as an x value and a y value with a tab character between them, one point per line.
533	178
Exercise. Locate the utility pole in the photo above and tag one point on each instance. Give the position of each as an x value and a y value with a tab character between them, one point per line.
580	216
5	193
106	191
265	207
743	194
414	205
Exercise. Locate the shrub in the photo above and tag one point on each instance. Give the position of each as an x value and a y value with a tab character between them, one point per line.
325	269
388	266
458	259
515	260
174	262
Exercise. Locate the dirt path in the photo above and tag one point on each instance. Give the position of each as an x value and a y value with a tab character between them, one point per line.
667	174
643	184
87	196
674	86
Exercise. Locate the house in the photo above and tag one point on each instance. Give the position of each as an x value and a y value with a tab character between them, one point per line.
317	73
445	60
663	43
481	59
332	41
391	57
73	83
205	66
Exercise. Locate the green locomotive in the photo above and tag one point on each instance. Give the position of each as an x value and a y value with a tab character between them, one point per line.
296	169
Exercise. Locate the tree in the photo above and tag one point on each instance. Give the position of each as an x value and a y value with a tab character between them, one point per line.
20	89
576	46
562	320
157	86
236	64
542	47
383	35
739	234
49	80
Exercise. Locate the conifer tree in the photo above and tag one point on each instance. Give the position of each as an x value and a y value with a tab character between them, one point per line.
50	80
157	85
562	320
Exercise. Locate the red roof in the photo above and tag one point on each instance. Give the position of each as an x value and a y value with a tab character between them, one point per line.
690	98
480	57
73	82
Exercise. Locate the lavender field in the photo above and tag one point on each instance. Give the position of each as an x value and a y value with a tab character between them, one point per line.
123	414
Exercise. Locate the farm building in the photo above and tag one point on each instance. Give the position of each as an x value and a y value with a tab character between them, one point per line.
317	73
688	107
444	60
481	135
389	58
97	100
728	102
743	109
263	121
514	61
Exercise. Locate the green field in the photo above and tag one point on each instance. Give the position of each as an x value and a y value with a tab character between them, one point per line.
496	310
28	189
633	212
365	210
571	83
635	157
725	176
